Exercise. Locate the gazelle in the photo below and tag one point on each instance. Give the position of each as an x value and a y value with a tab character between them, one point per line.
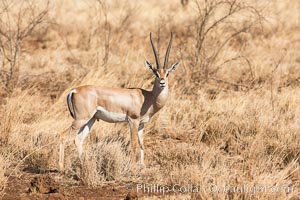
135	106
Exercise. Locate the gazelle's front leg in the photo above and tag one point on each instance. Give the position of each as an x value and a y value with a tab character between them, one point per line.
134	125
141	142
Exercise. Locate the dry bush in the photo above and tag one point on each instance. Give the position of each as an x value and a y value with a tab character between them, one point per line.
18	20
105	162
27	149
217	37
218	19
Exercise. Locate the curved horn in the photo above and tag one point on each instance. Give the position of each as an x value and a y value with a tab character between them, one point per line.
168	51
155	52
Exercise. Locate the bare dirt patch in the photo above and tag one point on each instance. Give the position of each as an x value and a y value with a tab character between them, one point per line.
46	186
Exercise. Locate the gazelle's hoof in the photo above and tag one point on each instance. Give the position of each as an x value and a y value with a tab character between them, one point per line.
61	168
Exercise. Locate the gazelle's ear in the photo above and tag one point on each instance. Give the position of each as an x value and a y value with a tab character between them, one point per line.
173	67
149	65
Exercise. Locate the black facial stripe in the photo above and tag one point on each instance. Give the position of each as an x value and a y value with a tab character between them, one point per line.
157	74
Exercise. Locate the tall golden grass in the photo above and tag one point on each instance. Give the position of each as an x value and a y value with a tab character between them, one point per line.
232	114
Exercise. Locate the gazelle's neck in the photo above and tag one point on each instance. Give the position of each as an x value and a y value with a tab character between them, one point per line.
160	94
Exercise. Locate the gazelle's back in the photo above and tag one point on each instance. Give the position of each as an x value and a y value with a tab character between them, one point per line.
107	102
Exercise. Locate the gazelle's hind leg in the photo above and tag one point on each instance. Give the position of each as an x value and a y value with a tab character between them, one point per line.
82	134
77	124
62	138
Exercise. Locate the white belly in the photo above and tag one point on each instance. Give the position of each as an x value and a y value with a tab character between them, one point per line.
109	116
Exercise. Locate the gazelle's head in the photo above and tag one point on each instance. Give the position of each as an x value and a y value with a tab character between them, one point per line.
162	73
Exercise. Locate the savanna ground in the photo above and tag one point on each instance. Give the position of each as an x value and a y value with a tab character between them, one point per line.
231	120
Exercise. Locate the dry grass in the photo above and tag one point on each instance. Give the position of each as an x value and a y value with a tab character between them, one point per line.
232	118
4	165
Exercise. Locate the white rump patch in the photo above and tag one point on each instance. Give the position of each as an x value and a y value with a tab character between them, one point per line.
108	116
73	91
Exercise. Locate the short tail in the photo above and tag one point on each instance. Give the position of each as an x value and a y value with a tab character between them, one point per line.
70	104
